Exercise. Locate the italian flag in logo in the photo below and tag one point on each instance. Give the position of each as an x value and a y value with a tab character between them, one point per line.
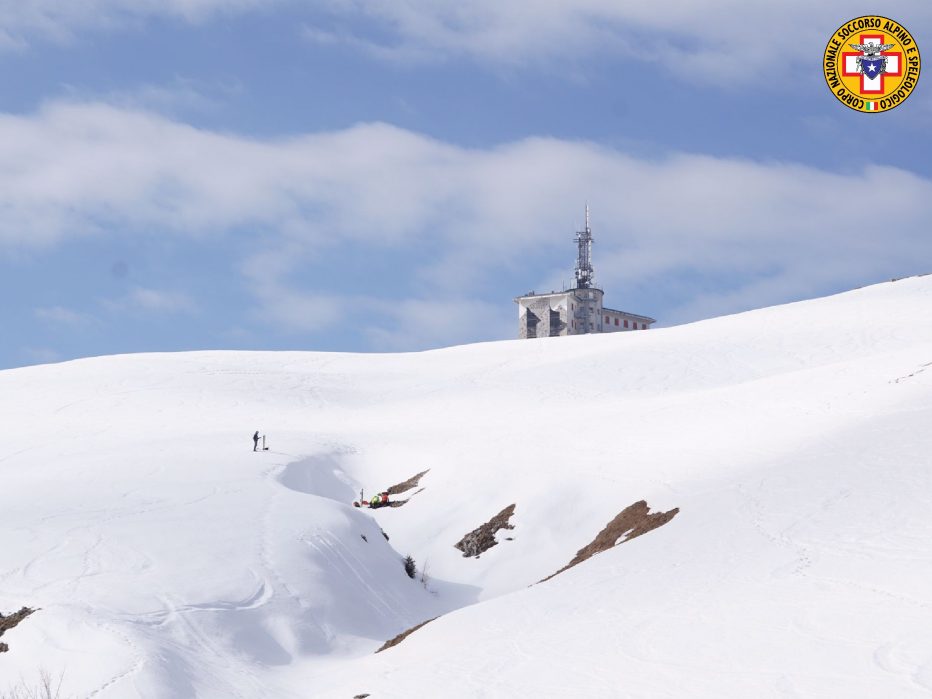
870	106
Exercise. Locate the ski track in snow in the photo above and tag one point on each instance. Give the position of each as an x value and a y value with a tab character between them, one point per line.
137	664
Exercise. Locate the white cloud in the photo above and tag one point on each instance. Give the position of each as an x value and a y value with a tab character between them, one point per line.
181	95
40	355
63	316
413	324
712	41
152	300
722	42
155	300
288	309
467	217
60	20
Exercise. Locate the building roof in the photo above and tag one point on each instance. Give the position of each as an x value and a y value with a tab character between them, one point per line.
632	315
534	294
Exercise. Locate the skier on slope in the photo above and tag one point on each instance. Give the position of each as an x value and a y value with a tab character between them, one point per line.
255	441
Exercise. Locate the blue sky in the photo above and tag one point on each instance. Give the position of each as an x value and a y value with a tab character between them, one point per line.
367	176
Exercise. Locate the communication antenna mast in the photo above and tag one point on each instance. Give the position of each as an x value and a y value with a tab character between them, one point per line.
584	273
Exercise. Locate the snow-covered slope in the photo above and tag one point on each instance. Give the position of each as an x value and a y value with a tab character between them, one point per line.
169	560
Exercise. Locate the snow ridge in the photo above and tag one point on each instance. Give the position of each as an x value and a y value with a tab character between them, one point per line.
170	560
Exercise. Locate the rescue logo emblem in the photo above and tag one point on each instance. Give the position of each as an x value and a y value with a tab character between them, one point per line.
871	64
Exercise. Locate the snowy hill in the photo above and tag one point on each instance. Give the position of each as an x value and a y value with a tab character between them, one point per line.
170	560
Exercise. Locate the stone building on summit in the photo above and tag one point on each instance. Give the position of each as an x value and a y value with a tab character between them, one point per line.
577	311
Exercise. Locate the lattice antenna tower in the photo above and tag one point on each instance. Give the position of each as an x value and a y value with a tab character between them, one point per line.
584	273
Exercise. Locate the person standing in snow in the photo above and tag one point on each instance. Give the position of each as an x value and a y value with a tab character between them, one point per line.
255	441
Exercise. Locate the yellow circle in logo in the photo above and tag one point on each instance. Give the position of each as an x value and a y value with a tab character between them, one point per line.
871	64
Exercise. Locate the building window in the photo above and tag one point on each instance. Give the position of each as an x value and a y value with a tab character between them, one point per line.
616	321
643	326
606	319
626	323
